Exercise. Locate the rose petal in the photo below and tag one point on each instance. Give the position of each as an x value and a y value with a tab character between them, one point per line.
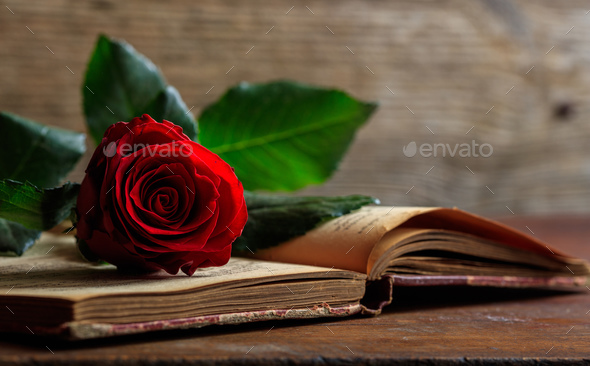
231	232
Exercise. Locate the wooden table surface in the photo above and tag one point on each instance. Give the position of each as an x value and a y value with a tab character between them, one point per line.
424	326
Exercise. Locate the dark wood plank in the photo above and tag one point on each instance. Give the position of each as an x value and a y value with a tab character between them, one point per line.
422	326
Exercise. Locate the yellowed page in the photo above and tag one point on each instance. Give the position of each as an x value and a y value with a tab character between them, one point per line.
54	269
377	260
458	220
345	242
348	241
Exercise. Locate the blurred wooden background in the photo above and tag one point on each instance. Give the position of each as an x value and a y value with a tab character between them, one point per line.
513	74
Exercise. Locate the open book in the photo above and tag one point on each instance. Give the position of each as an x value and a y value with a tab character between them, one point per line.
345	266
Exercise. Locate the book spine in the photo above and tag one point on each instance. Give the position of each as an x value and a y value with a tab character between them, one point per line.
81	330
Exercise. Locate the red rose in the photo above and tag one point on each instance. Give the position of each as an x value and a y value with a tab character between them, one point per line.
153	199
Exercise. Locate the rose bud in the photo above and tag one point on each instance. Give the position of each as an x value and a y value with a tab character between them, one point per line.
153	199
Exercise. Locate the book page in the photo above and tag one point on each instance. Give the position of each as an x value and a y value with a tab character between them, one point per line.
348	241
344	242
458	220
53	268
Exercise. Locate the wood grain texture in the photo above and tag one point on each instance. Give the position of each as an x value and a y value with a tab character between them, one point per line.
422	327
447	63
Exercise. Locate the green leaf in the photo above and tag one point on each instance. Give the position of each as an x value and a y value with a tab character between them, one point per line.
38	209
282	135
121	80
16	238
276	219
37	153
